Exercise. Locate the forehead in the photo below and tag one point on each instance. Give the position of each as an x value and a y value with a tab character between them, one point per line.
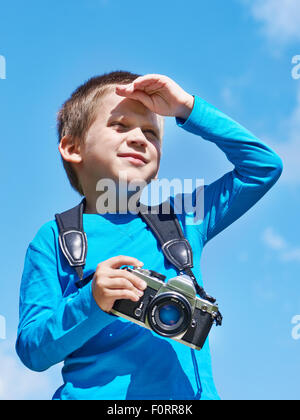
115	106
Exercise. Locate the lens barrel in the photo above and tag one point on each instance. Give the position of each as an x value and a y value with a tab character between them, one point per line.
169	314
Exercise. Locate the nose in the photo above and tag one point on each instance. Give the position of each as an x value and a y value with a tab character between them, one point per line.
136	138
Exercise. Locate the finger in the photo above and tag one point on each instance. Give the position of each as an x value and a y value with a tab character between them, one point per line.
137	95
122	88
154	84
143	81
122	294
141	85
140	96
132	278
119	260
149	78
122	283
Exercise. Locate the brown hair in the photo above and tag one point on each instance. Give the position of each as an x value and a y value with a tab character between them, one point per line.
79	112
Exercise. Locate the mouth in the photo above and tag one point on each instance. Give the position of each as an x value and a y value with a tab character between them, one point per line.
134	158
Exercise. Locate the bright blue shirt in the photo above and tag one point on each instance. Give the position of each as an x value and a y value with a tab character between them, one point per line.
107	357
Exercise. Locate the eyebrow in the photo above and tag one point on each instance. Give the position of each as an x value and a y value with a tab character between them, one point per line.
147	126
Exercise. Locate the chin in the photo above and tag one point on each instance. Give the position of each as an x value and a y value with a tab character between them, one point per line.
131	176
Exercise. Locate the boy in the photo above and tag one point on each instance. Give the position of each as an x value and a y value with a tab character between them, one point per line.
113	125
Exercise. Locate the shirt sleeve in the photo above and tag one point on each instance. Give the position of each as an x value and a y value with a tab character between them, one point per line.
256	168
52	326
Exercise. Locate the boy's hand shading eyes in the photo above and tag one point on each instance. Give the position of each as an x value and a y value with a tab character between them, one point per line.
110	283
160	94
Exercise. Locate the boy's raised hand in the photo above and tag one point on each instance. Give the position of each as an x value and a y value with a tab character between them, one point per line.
160	94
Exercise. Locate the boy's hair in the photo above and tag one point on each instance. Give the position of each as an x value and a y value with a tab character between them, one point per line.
79	112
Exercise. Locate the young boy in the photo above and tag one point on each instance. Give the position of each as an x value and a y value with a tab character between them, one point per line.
112	125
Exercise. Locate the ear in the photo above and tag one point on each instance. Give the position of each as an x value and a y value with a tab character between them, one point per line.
69	148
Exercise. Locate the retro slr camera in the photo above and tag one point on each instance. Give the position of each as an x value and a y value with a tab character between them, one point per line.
171	309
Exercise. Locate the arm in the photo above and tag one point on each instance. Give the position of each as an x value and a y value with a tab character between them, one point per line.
52	326
256	167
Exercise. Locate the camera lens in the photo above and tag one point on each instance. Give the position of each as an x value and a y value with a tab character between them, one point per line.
169	314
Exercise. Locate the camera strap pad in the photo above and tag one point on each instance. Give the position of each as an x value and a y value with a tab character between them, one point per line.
72	239
168	231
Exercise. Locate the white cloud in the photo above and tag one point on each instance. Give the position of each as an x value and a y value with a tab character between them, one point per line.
2	327
19	383
228	96
280	19
291	255
232	86
273	240
276	242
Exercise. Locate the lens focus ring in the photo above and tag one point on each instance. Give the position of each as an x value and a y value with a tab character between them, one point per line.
169	314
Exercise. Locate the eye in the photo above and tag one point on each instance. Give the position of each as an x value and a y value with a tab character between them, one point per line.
117	124
152	135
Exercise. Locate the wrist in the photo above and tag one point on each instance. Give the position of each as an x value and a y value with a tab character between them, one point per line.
186	108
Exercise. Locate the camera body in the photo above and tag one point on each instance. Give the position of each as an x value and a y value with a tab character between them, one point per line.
171	309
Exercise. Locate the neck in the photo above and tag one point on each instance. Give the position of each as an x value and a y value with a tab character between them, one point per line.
120	201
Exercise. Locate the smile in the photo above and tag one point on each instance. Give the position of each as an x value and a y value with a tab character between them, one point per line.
134	159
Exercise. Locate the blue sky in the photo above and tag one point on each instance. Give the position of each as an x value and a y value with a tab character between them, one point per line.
235	54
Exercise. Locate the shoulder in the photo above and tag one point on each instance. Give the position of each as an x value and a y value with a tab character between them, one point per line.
189	206
46	237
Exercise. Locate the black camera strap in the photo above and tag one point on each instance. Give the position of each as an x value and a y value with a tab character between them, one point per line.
163	224
72	238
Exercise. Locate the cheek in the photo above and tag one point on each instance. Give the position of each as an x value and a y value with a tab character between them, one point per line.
101	144
156	152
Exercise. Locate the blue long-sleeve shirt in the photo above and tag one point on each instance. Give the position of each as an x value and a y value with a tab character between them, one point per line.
107	357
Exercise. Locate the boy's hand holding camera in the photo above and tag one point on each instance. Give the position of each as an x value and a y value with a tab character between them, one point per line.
160	94
110	283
